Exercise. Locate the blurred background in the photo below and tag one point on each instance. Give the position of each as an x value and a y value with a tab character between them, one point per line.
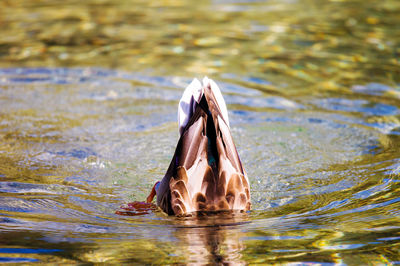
88	102
327	44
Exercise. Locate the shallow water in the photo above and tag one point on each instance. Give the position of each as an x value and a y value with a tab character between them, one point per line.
88	102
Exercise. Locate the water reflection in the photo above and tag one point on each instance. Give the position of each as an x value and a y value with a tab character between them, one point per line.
212	239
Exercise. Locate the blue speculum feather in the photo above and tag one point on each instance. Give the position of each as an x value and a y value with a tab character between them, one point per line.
212	153
211	159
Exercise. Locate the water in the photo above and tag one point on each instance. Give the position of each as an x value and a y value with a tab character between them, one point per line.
88	102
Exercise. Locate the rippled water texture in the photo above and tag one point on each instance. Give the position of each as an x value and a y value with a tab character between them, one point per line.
88	102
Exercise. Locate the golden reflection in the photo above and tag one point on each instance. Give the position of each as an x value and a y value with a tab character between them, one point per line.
212	239
68	155
271	40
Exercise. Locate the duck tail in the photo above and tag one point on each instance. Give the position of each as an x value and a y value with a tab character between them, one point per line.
205	173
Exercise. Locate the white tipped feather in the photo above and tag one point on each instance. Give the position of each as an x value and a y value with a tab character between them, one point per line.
190	98
218	96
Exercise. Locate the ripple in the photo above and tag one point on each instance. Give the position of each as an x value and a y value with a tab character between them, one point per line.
362	106
17	260
17	187
322	171
27	250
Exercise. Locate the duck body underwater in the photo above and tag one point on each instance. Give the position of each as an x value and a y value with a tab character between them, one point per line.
205	173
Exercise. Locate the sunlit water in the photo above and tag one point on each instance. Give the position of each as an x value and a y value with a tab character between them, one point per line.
313	95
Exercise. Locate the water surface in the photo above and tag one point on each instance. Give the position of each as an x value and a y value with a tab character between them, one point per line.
88	103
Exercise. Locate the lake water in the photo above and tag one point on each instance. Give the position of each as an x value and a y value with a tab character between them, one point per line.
88	106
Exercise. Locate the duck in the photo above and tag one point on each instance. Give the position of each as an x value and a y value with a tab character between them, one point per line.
205	173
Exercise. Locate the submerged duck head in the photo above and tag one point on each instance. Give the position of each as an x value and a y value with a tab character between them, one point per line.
205	173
